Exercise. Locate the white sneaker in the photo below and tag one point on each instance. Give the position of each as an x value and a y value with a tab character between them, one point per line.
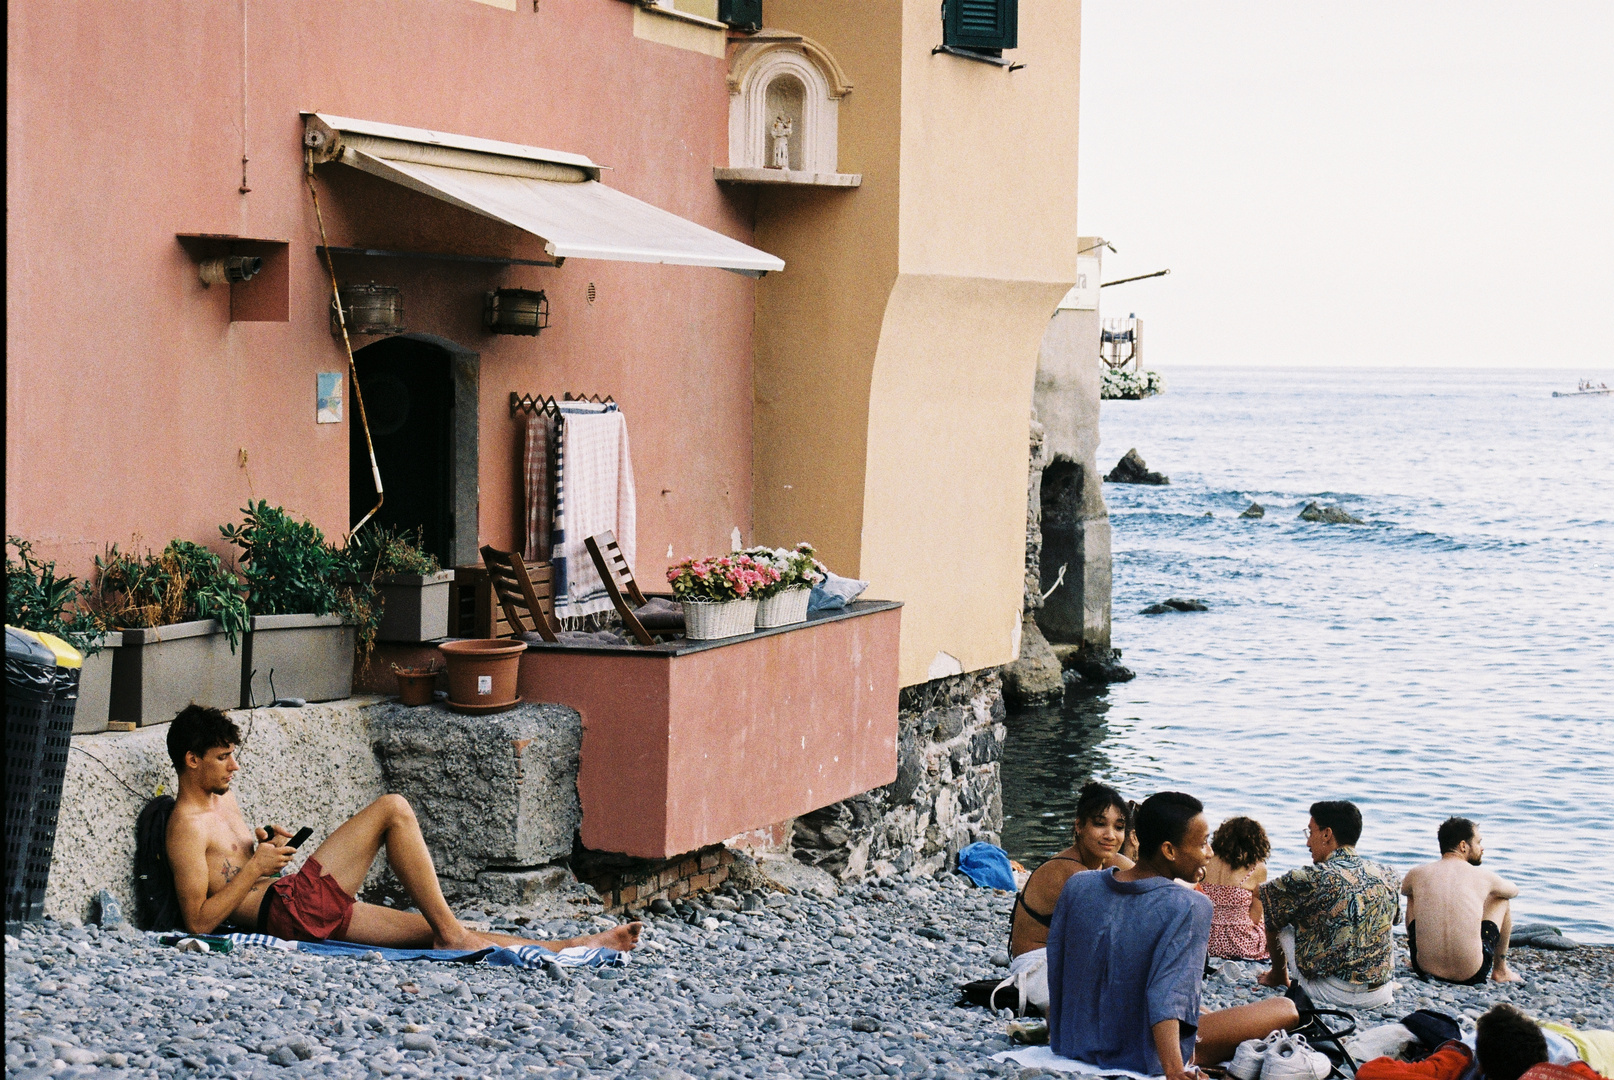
1291	1058
1246	1063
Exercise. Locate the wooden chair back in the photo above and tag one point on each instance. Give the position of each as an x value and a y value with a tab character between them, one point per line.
526	593
625	595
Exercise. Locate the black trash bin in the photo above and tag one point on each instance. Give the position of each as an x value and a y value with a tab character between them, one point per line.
42	674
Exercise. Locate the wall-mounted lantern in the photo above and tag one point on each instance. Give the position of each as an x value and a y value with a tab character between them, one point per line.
254	271
516	311
369	309
230	269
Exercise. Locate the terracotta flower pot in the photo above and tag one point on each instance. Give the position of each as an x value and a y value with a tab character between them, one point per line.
482	674
415	687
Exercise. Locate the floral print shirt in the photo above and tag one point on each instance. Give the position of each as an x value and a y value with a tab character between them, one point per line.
1342	910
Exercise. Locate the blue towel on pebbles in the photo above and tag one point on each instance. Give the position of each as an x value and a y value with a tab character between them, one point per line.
987	865
521	956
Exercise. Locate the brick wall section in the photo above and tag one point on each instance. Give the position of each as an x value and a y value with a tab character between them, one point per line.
626	884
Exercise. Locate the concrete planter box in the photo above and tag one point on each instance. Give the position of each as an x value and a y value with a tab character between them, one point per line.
95	687
158	671
311	657
414	606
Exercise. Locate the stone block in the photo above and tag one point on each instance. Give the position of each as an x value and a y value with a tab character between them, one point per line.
489	791
946	724
519	888
985	748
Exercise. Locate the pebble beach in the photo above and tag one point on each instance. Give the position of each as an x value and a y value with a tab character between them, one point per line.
803	985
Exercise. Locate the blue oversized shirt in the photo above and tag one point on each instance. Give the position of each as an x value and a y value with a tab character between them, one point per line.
1123	956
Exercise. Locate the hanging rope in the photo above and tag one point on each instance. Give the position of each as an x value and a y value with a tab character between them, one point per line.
347	343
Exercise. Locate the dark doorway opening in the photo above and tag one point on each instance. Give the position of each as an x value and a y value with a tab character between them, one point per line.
408	388
1061	614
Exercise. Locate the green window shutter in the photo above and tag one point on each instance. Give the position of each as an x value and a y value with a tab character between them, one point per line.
980	24
741	14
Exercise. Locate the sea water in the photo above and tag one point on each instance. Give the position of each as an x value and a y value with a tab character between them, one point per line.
1453	655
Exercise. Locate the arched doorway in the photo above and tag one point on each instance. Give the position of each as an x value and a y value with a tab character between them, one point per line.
420	396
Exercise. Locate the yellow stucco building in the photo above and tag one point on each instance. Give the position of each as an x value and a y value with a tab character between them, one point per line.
895	359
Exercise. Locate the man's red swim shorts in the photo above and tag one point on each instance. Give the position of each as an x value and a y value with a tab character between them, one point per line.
308	906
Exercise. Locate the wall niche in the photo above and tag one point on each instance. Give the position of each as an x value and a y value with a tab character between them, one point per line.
785	91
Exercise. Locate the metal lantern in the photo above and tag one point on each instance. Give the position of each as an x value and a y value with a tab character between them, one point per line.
369	309
516	311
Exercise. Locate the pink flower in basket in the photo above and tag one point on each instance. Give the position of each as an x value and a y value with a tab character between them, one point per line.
720	578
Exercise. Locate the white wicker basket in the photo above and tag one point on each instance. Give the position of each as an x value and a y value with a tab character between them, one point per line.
783	609
706	620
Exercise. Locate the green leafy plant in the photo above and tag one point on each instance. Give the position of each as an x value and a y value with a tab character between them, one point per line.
290	569
383	551
37	599
183	581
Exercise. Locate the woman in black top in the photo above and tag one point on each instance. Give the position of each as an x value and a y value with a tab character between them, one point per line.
1102	823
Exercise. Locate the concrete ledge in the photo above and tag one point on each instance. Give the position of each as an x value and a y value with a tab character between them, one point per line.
752	175
309	766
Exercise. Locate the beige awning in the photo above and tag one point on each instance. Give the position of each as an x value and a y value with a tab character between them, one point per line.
555	196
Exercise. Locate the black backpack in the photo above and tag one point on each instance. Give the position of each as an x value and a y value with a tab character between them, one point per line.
156	902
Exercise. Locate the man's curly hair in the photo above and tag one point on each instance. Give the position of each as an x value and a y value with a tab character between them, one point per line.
1241	842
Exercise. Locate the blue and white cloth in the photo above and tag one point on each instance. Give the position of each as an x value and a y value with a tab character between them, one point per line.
520	956
835	592
594	493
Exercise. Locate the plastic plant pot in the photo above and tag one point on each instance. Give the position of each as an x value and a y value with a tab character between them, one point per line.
482	674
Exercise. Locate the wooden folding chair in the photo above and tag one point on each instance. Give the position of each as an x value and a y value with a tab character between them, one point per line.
526	593
613	568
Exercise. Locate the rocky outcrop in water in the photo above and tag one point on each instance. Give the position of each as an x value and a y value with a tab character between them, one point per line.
1175	604
1035	677
1328	515
1254	510
1131	469
1100	666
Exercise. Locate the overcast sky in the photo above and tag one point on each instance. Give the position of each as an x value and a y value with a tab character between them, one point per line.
1408	184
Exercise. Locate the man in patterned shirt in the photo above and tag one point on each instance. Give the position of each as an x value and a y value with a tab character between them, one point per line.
1332	920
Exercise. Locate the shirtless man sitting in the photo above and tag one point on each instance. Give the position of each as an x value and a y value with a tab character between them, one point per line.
227	872
1458	916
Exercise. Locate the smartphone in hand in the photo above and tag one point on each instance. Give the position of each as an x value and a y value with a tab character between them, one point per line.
295	842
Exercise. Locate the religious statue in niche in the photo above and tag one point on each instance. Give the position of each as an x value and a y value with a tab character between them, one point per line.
781	131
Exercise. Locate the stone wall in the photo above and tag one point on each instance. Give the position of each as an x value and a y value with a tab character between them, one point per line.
308	766
948	792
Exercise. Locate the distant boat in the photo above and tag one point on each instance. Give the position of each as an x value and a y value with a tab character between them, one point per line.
1585	391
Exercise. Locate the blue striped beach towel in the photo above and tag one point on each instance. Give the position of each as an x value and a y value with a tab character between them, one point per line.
521	956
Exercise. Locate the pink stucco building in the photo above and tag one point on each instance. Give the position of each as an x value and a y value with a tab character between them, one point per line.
137	407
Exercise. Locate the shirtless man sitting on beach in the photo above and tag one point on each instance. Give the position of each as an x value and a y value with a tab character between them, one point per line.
226	872
1458	916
